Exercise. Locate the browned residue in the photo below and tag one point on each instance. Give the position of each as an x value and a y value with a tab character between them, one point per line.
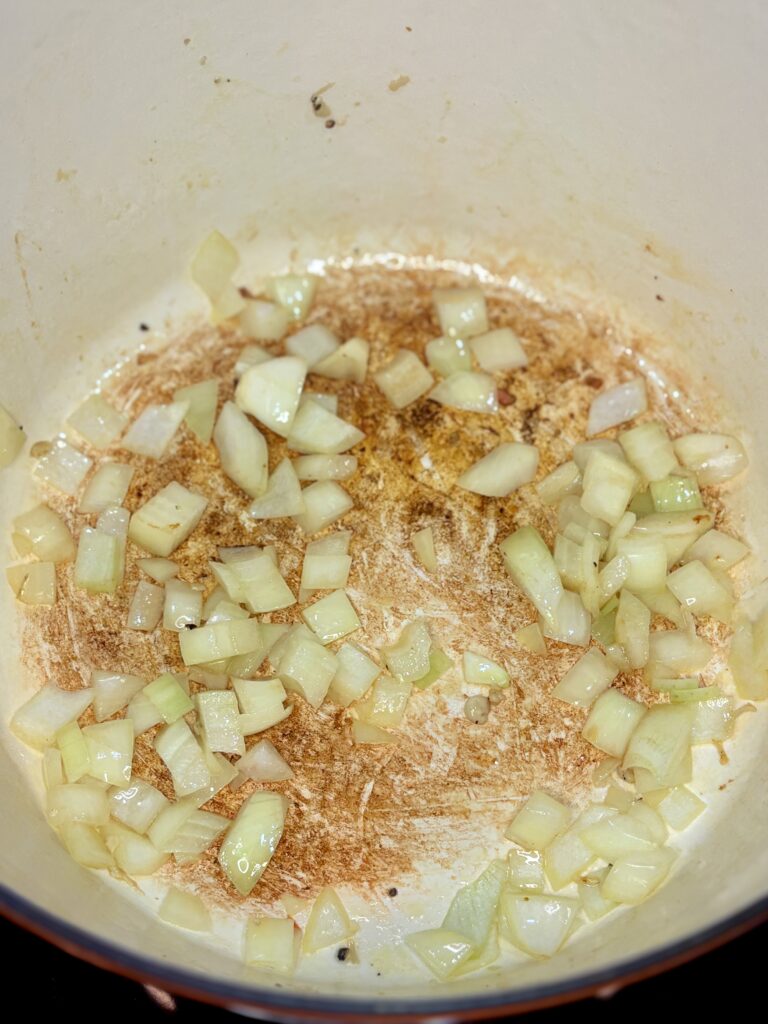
366	815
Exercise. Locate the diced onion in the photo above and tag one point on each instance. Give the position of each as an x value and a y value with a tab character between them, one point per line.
617	836
159	569
136	804
73	747
482	671
385	705
525	871
531	638
39	720
315	430
242	450
219	640
270	943
612	721
467	390
134	854
12	438
111	693
633	624
660	742
424	547
325	572
146	608
570	623
251	355
107	487
183	757
564	480
676	493
143	713
77	802
590	676
593	903
680	650
329	923
271	392
167	519
714	458
568	856
364	732
183	605
746	660
153	431
408	658
679	807
712	715
86	846
294	292
306	667
283	495
313	344
33	583
538	925
99	563
461	311
170	699
355	673
219	717
531	566
202	399
716	550
63	467
264	763
447	356
616	406
185	910
348	362
441	950
633	877
324	503
252	839
498	350
697	589
583	450
110	749
325	467
502	471
261	703
332	617
649	449
404	379
439	664
607	487
263	320
213	265
97	422
472	912
540	820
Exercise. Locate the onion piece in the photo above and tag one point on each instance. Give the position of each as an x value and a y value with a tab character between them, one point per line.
612	578
283	496
86	846
540	820
698	590
364	732
97	422
679	807
263	763
12	438
618	532
467	390
617	836
525	871
593	903
498	350
317	431
682	651
77	802
313	344
73	748
531	566
575	523
712	714
153	431
461	311
447	356
185	910
538	925
441	950
219	718
213	265
646	557
324	572
633	877
348	362
716	550
111	693
472	912
107	487
133	854
408	658
616	406
261	703
439	664
562	481
660	742
328	923
294	292
502	470
201	399
255	580
110	749
183	757
583	450
263	320
136	804
568	856
531	638
63	467
252	839
653	821
607	487
676	493
569	561
324	503
632	627
167	519
404	379
612	721
38	721
33	583
183	606
306	667
745	660
649	449
481	671
590	676
271	392
332	617
170	699
325	467
159	569
355	672
270	943
143	713
219	640
242	450
714	458
385	705
146	607
571	623
250	355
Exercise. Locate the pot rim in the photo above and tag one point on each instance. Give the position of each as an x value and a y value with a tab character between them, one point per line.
86	946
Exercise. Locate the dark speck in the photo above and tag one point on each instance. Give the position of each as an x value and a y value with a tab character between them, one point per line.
330	123
392	891
143	327
342	953
659	298
190	625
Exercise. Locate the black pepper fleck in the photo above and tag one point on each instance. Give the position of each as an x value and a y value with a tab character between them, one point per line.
392	891
342	953
143	327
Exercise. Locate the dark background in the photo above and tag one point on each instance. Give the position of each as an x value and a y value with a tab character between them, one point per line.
731	977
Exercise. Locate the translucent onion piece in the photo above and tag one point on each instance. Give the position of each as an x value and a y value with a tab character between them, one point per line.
564	480
408	658
271	392
472	912
183	757
349	362
183	605
467	390
404	379
683	652
332	617
97	422
315	430
75	758
355	672
53	769
461	311
33	583
652	820
568	856
219	717
531	566
325	467
134	854
251	355
136	804
714	458
99	563
252	839
679	807
502	471
159	569
185	910
242	450
77	802
270	943
38	720
525	871
146	608
85	845
697	589
439	664
675	493
447	356
112	692
257	583
12	438
170	699
42	533
385	705
531	638
745	660
540	820
660	742
712	719
569	561
306	667
571	514
329	923
583	450
263	320
538	925
571	622
612	577
219	640
325	572
617	836
607	487
283	496
167	519
593	903
649	449
63	467
499	350
107	487
202	399
364	732
263	763
616	406
618	532
156	427
313	344
590	676
324	503
213	265
441	950
482	671
294	292
612	721
716	550
632	627
633	877
110	749
647	561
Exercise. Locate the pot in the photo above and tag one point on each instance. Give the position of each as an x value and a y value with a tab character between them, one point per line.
610	150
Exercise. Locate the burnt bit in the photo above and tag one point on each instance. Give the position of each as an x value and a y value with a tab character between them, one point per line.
330	123
190	625
342	953
143	327
246	292
592	381
392	892
504	397
659	298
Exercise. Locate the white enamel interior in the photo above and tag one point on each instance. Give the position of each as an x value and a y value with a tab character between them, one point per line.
621	146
